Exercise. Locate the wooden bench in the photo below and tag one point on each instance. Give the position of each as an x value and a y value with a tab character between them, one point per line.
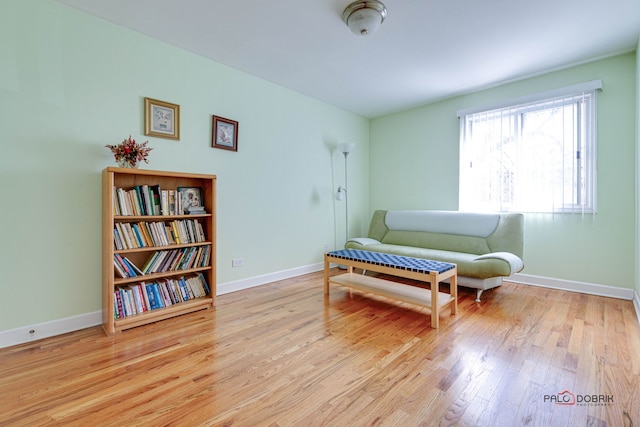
432	272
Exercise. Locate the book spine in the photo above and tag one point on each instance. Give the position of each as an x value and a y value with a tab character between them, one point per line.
183	289
117	243
133	266
132	238
205	285
123	237
162	233
165	294
172	202
138	235
155	192
119	262
118	303
131	301
147	266
122	202
164	202
116	203
156	294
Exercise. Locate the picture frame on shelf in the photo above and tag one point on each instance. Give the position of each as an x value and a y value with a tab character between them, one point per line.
191	198
224	134
161	119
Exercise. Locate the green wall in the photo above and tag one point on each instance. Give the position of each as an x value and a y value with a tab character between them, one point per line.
637	178
414	165
71	83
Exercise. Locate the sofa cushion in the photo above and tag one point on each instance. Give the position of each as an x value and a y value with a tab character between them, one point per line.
470	265
446	242
443	222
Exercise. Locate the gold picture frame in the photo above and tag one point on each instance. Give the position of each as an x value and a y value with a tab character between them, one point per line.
161	119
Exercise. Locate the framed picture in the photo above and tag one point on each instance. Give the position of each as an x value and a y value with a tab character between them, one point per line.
161	119
191	198
224	134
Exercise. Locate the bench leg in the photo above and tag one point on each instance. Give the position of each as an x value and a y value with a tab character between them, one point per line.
326	277
478	293
453	289
435	307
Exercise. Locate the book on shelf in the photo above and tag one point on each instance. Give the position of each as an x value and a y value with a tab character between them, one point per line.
119	269
117	242
195	210
137	299
123	237
127	303
146	200
164	202
141	297
145	295
133	241
155	192
150	200
133	266
154	297
172	202
116	204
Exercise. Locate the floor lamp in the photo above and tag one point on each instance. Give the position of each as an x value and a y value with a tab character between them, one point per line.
345	148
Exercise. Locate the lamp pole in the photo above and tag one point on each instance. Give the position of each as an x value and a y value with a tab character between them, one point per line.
346	199
346	148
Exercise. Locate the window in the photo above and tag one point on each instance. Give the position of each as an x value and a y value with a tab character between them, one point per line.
535	155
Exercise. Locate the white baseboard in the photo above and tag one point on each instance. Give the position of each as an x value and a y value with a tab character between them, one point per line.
52	328
250	282
49	329
573	286
69	324
636	304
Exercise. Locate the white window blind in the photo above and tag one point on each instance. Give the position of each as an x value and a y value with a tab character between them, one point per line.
533	155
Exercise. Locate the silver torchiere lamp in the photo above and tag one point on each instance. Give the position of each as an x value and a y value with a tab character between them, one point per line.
345	148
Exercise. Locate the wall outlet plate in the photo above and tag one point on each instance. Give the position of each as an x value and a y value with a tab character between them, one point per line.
237	262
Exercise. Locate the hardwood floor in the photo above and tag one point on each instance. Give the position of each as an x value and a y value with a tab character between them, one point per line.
280	355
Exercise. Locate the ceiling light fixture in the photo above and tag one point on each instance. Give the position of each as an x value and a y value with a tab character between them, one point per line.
364	17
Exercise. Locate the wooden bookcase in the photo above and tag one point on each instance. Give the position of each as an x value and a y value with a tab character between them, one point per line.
114	178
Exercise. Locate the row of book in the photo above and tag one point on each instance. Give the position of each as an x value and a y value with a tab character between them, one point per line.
141	297
163	261
148	234
152	200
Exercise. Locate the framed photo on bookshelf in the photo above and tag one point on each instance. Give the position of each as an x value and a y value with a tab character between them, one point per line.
191	198
224	134
161	119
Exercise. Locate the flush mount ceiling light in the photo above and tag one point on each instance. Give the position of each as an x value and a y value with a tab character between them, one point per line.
364	17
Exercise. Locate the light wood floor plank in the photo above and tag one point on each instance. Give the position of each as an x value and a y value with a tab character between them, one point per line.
283	355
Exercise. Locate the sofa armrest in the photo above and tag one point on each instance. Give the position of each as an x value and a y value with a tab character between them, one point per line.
514	261
363	241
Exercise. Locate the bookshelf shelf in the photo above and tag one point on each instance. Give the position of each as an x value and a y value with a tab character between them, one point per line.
161	248
136	218
153	276
185	280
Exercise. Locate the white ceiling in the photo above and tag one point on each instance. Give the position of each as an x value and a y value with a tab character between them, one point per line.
425	50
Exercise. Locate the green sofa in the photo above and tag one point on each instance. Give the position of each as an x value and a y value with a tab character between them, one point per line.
485	247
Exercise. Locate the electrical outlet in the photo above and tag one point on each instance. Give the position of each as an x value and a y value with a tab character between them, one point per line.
237	262
326	247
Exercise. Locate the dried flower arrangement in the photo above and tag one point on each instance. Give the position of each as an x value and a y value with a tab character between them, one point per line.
128	153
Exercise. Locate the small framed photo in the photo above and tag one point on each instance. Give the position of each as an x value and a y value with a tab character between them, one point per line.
161	119
191	198
224	134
